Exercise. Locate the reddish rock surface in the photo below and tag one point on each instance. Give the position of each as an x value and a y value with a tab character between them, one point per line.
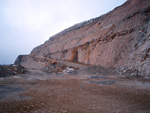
34	62
120	38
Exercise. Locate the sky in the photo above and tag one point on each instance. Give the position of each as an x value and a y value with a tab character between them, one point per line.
25	24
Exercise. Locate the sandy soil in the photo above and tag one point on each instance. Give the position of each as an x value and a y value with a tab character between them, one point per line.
42	93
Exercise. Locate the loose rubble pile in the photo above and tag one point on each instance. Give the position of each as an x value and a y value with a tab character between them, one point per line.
8	70
68	70
54	68
129	72
58	68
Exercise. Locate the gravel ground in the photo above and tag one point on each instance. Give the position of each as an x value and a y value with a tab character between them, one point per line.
73	94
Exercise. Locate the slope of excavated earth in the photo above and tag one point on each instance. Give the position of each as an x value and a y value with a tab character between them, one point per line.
38	92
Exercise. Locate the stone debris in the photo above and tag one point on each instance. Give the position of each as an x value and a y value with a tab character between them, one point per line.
68	70
128	72
54	68
9	70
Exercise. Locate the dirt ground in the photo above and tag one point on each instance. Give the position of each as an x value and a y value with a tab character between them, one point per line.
66	93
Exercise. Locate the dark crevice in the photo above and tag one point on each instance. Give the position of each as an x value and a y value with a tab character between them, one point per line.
75	56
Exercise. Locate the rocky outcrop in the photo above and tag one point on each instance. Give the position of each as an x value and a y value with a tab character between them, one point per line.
33	62
117	39
9	70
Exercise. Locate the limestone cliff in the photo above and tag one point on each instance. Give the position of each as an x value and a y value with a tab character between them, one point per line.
120	38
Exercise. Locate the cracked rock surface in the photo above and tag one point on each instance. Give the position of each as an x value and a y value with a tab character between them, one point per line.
117	39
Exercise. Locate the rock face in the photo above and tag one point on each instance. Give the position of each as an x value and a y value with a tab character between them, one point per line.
33	62
120	38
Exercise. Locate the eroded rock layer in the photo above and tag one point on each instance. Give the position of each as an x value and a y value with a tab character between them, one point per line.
120	38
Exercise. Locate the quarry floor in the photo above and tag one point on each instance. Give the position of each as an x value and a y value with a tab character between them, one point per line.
39	92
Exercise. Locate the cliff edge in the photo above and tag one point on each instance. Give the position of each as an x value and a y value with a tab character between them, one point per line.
119	39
